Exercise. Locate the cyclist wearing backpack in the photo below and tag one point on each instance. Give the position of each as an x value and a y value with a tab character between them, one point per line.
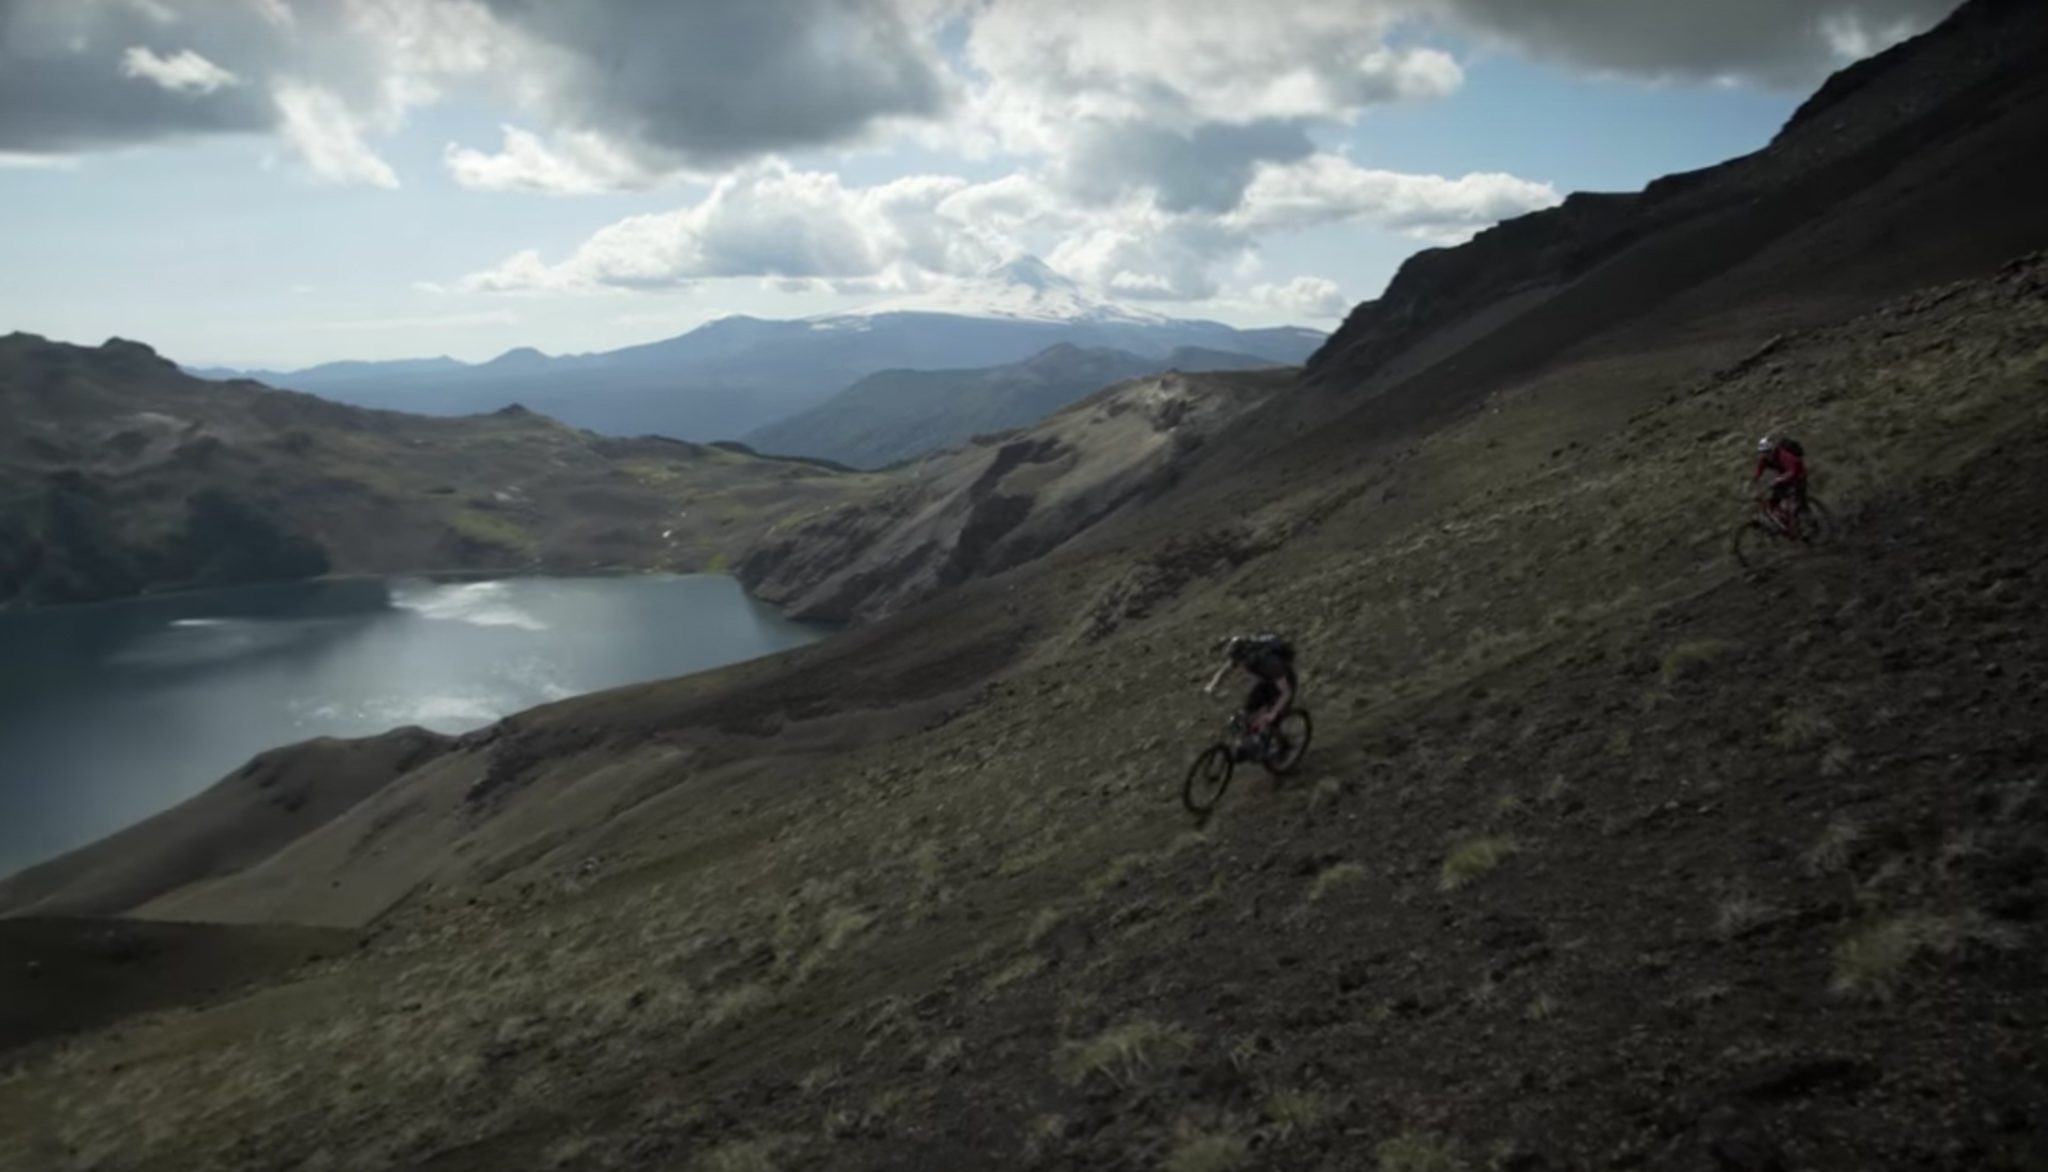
1784	461
1270	661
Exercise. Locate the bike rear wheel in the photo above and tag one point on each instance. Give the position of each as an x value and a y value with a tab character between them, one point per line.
1207	778
1291	736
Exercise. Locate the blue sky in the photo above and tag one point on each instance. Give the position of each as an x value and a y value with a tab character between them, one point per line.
1212	178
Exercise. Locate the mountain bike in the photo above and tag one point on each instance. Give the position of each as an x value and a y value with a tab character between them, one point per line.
1805	525
1280	753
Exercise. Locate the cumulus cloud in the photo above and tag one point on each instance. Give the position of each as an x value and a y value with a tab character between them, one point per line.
327	135
699	82
768	220
184	71
576	164
810	231
77	76
1329	188
1305	297
664	87
1790	45
1184	99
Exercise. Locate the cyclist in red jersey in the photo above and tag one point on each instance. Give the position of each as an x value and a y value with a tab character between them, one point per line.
1784	461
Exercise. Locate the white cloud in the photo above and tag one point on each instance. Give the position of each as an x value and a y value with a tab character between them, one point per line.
580	163
767	221
325	133
808	231
38	162
1184	99
1315	298
1330	188
184	72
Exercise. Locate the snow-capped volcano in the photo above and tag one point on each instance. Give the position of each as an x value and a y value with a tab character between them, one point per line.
1023	289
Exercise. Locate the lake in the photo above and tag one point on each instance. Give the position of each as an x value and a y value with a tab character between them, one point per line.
110	713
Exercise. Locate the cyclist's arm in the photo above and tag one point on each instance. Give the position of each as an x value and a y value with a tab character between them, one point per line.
1216	679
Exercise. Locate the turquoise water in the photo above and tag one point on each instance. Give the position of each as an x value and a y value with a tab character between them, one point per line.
111	713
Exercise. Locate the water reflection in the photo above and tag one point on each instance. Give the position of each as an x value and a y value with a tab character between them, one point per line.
110	713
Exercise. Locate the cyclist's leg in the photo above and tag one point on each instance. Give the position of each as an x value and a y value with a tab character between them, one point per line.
1261	698
1781	509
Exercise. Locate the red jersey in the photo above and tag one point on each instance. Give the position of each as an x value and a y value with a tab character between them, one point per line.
1787	464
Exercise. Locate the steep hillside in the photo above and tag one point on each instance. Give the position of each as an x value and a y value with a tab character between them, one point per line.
120	474
1920	164
738	374
1000	500
1655	861
1608	852
897	414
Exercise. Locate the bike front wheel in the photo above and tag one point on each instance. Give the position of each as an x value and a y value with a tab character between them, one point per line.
1290	742
1207	778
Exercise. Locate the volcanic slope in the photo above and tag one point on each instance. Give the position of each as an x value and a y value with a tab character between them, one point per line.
1608	853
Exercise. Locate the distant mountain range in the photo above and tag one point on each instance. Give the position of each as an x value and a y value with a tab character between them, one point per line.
897	414
119	474
738	374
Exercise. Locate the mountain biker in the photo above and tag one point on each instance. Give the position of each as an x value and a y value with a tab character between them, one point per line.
1270	661
1785	462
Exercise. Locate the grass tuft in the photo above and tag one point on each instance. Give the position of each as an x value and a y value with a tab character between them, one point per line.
1042	925
1416	1151
1691	659
734	1004
1331	878
1874	959
1293	1113
1837	842
1738	912
743	1156
1799	728
1206	1152
1122	1053
1022	969
1472	858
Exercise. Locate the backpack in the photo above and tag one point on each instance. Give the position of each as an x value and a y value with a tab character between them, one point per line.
1261	646
1792	446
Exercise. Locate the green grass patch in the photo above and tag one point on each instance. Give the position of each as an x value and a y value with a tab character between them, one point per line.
1691	659
1122	1053
1872	960
490	529
1417	1151
1207	1152
1472	858
1331	878
1292	1112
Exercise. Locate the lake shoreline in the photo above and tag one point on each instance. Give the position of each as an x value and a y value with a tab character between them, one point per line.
14	607
199	682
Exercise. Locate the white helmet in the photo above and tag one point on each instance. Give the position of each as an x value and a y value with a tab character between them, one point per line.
1765	445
